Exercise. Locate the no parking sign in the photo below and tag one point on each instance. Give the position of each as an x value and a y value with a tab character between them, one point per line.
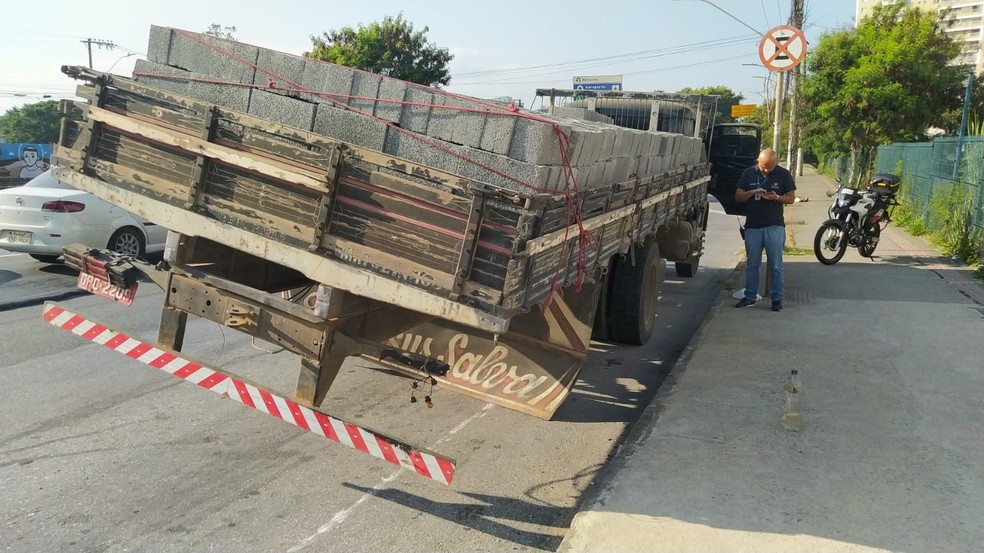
782	48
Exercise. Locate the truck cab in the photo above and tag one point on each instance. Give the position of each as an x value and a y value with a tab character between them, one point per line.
731	148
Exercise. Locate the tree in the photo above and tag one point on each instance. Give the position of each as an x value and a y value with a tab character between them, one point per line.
728	98
390	48
37	123
886	81
222	32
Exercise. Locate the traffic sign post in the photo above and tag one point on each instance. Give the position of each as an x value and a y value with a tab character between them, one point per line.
782	48
742	110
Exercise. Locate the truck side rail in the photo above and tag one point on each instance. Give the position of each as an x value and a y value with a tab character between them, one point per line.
349	217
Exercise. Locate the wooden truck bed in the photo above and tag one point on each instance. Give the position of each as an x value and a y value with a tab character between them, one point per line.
350	217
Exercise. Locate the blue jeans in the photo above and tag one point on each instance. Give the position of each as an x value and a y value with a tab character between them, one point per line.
772	240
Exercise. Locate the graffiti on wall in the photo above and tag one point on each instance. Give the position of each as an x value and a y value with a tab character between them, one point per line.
22	162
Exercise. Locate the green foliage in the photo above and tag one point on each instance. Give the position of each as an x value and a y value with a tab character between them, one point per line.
390	48
908	218
727	98
887	80
37	123
222	32
979	272
949	226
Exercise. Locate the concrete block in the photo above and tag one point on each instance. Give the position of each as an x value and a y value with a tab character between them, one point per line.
537	142
467	128
285	71
444	118
282	109
534	178
178	84
158	44
395	91
440	124
443	156
624	141
645	144
667	143
657	138
342	124
498	132
228	96
213	57
333	82
365	90
608	144
416	113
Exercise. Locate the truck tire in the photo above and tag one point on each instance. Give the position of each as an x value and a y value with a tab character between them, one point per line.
688	268
635	289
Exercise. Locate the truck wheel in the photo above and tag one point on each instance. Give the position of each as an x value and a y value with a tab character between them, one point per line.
635	289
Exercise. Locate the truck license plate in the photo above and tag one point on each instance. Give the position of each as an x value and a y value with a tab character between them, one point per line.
18	237
90	283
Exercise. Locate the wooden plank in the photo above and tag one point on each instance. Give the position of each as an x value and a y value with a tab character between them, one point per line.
354	189
138	108
547	241
426	194
455	182
327	271
198	146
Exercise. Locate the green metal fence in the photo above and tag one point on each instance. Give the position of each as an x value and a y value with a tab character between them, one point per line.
930	168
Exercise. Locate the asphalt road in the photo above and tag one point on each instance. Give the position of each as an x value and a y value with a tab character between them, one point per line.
102	453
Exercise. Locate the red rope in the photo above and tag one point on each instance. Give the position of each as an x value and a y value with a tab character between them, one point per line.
573	205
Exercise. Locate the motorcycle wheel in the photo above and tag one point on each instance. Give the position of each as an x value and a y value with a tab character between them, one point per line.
830	243
869	240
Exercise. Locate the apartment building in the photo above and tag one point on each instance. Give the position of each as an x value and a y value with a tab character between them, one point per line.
966	26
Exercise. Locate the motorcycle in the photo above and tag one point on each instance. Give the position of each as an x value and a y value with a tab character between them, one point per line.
857	218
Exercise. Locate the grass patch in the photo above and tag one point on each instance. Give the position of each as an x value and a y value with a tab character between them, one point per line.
796	250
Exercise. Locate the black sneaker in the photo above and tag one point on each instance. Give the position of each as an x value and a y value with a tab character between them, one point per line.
777	305
745	302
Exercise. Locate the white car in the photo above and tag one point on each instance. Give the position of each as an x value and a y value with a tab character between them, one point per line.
45	215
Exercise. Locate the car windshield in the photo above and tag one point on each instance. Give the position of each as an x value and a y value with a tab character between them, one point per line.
47	180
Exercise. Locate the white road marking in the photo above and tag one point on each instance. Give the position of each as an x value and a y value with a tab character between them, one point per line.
340	516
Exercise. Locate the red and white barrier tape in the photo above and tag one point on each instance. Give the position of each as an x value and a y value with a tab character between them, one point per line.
390	450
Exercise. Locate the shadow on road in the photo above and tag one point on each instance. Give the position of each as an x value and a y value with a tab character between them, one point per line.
482	514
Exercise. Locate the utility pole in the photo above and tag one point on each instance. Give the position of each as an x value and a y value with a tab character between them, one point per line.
109	44
792	154
777	116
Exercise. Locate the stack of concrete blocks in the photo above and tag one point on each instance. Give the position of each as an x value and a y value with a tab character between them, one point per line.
461	135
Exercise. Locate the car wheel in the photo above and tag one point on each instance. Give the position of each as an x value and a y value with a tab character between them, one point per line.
45	258
127	241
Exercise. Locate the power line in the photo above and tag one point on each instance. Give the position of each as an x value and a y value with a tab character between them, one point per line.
644	54
506	78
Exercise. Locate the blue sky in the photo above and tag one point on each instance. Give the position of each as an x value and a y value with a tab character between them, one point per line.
502	48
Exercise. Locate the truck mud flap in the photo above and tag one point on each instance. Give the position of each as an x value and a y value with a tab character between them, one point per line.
531	368
424	463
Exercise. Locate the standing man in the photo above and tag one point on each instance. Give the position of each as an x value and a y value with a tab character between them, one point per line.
766	187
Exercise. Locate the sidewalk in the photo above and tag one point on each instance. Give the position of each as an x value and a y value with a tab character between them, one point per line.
891	355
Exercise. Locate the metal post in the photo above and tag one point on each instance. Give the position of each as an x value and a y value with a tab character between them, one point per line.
777	122
963	125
